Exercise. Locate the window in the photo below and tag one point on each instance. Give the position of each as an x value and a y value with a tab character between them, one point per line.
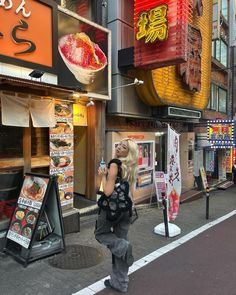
218	99
222	98
224	9
220	51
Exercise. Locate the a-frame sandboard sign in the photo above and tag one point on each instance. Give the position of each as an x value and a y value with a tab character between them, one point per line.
36	227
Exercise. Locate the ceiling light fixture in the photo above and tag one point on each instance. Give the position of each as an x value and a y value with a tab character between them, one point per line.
90	103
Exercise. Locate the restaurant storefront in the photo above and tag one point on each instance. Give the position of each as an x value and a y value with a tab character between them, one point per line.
52	107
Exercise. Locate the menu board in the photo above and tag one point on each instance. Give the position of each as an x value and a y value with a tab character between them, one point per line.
62	152
160	185
36	227
26	213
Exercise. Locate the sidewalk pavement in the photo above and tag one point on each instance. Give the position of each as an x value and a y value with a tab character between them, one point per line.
40	278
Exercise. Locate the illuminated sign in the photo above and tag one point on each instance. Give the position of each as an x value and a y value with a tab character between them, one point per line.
26	33
152	24
160	20
220	133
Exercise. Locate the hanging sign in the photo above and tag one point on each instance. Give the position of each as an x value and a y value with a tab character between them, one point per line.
79	115
157	27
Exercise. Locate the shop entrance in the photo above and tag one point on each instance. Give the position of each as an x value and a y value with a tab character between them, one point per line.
80	158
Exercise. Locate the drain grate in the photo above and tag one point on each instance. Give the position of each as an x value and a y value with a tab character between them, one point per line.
77	257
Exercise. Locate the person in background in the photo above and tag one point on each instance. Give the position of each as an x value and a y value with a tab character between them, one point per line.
114	234
234	172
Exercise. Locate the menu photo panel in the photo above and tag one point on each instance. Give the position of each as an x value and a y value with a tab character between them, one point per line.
62	152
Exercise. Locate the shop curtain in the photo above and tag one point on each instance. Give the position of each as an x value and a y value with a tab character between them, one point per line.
16	111
42	113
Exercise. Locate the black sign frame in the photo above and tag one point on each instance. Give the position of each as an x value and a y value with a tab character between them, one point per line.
50	208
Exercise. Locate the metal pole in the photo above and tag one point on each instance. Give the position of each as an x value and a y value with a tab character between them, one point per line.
207	202
165	217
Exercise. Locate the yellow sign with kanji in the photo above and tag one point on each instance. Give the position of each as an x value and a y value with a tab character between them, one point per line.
153	24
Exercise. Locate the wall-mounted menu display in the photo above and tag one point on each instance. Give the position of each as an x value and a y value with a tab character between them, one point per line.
62	152
36	221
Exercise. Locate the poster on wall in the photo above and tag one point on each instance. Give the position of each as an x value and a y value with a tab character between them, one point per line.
145	164
210	161
83	55
144	187
62	152
174	174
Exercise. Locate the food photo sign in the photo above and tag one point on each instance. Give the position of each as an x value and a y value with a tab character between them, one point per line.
26	214
62	152
83	55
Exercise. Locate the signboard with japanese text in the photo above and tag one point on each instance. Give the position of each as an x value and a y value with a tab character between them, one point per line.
27	33
203	177
79	115
62	152
191	70
83	55
27	210
37	220
157	27
220	133
160	185
174	173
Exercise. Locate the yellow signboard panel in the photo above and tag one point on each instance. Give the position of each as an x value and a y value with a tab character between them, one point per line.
164	86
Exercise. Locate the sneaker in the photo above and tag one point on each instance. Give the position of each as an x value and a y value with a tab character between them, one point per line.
129	258
108	285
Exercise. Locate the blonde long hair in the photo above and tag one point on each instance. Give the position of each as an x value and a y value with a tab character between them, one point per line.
130	163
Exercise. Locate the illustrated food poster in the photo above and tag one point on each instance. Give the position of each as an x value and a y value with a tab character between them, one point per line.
27	210
62	152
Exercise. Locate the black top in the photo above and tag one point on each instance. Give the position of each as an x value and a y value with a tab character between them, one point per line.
118	163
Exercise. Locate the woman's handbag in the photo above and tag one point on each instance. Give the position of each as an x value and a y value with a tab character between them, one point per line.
118	202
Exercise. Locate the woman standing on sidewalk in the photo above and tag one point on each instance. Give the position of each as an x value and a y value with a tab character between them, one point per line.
114	234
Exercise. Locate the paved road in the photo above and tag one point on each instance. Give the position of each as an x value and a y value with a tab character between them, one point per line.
203	265
40	278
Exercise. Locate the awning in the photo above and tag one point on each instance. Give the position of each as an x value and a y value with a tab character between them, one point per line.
45	88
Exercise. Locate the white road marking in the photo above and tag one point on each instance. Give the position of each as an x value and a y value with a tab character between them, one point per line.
99	285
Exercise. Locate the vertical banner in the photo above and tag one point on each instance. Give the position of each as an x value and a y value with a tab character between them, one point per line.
210	161
228	161
174	173
62	152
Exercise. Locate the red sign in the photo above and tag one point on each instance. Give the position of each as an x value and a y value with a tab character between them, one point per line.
161	32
